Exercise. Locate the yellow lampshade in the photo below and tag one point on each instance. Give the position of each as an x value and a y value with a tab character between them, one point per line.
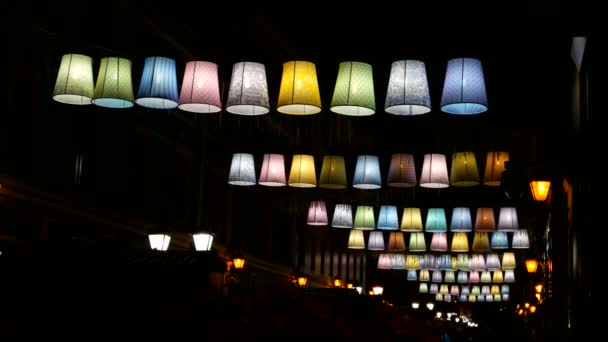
299	93
411	221
302	174
495	165
538	288
333	173
239	262
74	84
302	281
540	189
464	170
531	265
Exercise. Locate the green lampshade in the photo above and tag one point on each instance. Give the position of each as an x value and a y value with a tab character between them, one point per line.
354	91
364	218
74	84
114	88
464	169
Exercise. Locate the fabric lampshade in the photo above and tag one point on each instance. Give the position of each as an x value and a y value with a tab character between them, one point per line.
461	220
408	89
520	239
367	173
460	242
402	171
507	220
242	170
74	83
302	173
299	92
484	220
158	84
439	242
343	216
333	173
499	240
464	171
354	90
481	242
384	261
411	220
317	214
396	243
200	91
114	87
417	242
356	239
436	221
248	91
273	170
495	165
375	241
387	219
364	218
434	171
464	89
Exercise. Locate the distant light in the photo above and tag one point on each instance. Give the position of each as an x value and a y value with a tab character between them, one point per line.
415	305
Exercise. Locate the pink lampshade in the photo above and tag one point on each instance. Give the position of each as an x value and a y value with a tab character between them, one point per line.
439	242
273	170
200	88
317	214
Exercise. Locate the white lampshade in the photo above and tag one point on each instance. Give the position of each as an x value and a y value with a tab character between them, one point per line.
343	216
434	288
242	170
203	241
376	241
509	276
434	171
520	239
492	262
398	261
159	242
408	89
507	220
423	288
248	92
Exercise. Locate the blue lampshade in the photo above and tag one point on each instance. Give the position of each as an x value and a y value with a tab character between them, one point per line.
464	90
367	173
388	218
461	220
435	221
158	85
499	240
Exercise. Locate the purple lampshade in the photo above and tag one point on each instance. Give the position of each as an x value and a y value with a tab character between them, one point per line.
200	88
317	214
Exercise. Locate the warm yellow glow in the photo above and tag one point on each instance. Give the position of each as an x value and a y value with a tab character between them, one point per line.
302	281
517	307
550	266
337	283
239	263
302	173
531	265
538	288
540	189
299	93
370	292
538	297
520	312
532	309
349	285
526	305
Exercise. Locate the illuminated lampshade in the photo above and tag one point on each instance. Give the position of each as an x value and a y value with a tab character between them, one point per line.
376	241
492	262
460	242
396	243
367	173
540	189
356	239
497	277
464	171
417	242
203	241
461	220
423	288
509	276
444	289
486	277
333	173
354	91
387	219
402	172
504	289
434	288
477	262
439	242
447	298
439	297
384	261
481	242
450	276
242	170
412	275
495	165
465	290
412	262
497	297
377	290
114	87
454	290
302	173
462	298
397	261
411	220
499	240
531	265
428	261
520	239
425	275
435	221
408	89
200	88
489	298
158	84
434	171
484	220
508	261
505	297
343	216
464	89
74	83
364	218
159	242
299	93
317	214
273	170
472	299
444	262
463	262
475	290
248	92
507	220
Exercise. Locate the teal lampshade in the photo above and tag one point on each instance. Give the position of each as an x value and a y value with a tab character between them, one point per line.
354	90
114	88
74	83
435	221
364	218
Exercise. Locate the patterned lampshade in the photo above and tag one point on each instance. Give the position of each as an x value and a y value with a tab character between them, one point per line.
248	92
387	219
396	243
273	170
317	214
158	84
343	216
408	89
364	218
436	221
354	90
299	93
484	220
464	171
200	88
242	170
464	89
507	219
411	220
460	242
376	241
520	239
461	220
74	83
402	172
397	261
499	240
114	87
333	173
302	173
495	165
425	275
356	239
367	173
434	171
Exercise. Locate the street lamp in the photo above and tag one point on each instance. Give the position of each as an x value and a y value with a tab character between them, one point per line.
238	260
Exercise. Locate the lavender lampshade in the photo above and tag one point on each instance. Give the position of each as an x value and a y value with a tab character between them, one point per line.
402	171
158	85
408	89
375	241
428	261
464	89
200	91
437	276
387	219
509	276
434	288
317	214
492	262
273	170
507	220
465	290
434	171
477	262
367	173
343	216
248	92
242	170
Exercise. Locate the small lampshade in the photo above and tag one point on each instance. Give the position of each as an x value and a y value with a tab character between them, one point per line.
486	277
463	277
472	298
417	242
445	262
411	220
367	173
497	277
412	275
484	220
476	290
520	239
492	262
364	218
423	288
444	289
248	92
540	189
460	242
474	278
504	289
495	165
462	298
428	261
464	90
408	89
203	241
387	219
412	262
159	242
434	171
396	243
507	220
74	83
508	261
273	170
435	221
317	214
481	242
531	265
354	90
114	88
200	88
461	220
439	297
158	84
434	288
509	276
505	297
402	171
425	275
397	261
343	216
299	93
477	262
376	241
499	240
302	173
464	171
481	298
450	276
454	290
439	242
463	262
495	289
333	173
384	261
465	290
356	239
242	170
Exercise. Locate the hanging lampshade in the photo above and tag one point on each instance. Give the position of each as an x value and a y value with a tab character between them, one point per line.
412	275
463	277
317	214
508	261
472	299
417	242
200	88
484	220
509	276
428	261
411	220
495	165
425	275
159	242
445	262
475	290
114	87
402	172
299	93
412	262
540	189
439	242
499	240
495	289
203	241
384	261
356	239
505	297
464	171
303	174
460	242
74	83
481	299
364	218
435	221
486	277
437	276
158	84
367	173
461	220
465	290
423	288
273	170
434	171
463	262
450	276
354	90
464	89
387	219
396	243
376	241
397	261
444	289
434	288
454	290
343	216
477	262
462	298
248	92
439	297
333	173
408	89
507	220
504	289
242	170
497	277
481	242
492	262
520	239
